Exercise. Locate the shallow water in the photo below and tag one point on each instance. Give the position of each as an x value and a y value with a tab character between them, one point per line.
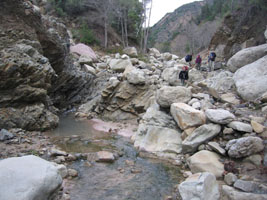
130	177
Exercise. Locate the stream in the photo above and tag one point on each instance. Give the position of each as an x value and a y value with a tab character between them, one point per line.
130	177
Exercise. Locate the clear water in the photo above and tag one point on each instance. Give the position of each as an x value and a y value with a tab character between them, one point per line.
143	179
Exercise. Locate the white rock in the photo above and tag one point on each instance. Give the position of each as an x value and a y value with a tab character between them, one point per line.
136	77
186	116
251	80
85	60
219	116
200	186
206	161
90	69
119	65
131	51
28	178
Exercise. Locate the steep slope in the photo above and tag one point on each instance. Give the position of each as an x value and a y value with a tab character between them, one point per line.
179	33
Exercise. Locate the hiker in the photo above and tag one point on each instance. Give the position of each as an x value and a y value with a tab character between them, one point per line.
188	58
211	61
198	62
183	75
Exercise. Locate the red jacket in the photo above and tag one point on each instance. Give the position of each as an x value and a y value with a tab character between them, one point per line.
198	60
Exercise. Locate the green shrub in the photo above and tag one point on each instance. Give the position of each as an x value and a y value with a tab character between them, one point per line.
85	35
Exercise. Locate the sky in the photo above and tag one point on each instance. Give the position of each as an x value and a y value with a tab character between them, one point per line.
161	7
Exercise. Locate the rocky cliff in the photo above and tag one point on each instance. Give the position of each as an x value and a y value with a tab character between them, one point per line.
36	71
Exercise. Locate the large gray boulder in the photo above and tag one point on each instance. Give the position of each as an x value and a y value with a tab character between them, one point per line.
130	51
219	116
28	178
246	56
168	95
171	74
119	65
231	193
202	186
251	80
244	147
136	77
206	161
195	76
199	136
186	116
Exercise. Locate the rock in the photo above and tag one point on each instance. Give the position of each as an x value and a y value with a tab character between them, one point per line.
105	156
57	152
83	50
216	147
171	74
228	131
245	146
28	177
231	193
158	139
258	128
251	187
168	95
230	98
263	98
62	170
167	56
246	56
254	159
186	116
196	105
85	60
240	126
119	65
265	33
206	161
195	76
101	66
5	135
154	52
251	80
230	179
90	69
136	77
199	136
219	116
200	186
72	173
131	51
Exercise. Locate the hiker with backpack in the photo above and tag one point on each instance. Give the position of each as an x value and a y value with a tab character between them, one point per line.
211	61
183	75
198	62
188	58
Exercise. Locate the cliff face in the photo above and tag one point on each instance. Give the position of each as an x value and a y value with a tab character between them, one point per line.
36	72
241	29
178	32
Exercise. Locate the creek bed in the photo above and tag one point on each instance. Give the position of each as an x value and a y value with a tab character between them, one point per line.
130	177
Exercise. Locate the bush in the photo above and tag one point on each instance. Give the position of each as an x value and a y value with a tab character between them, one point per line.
85	35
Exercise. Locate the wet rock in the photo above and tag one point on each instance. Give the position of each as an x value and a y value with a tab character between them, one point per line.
216	147
206	161
168	95
28	177
258	128
251	81
240	126
246	56
199	136
136	77
233	194
186	116
5	135
200	186
251	187
219	116
105	156
230	179
72	173
245	146
131	51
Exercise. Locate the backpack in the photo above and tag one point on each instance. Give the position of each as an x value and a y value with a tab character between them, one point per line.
212	56
188	58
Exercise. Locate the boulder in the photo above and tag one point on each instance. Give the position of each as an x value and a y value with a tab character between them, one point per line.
119	65
167	56
168	95
246	56
186	116
83	50
240	126
89	69
105	156
195	76
171	75
28	178
5	135
217	148
200	186
130	51
263	97
251	80
258	128
231	193
154	52
206	161
85	60
230	98
136	77
251	187
254	159
245	146
199	136
219	116
230	178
